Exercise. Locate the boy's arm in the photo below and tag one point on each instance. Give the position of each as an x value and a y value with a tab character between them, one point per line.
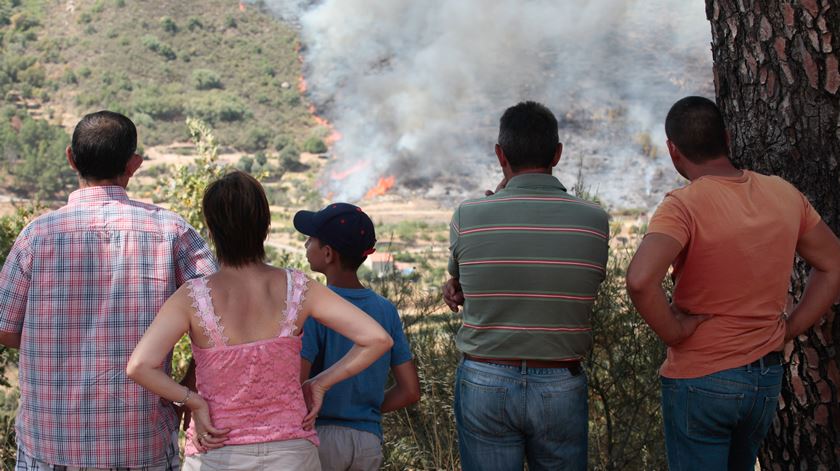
405	391
305	368
312	344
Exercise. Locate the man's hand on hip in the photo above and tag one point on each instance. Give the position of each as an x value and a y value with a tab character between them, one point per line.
453	296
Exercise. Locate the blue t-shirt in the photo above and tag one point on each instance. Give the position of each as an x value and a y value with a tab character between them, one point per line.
355	402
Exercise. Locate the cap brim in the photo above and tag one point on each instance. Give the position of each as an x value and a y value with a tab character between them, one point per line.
304	223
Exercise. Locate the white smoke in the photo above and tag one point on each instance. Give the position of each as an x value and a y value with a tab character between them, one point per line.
416	87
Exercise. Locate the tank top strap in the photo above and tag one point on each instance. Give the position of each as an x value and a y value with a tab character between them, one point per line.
199	291
296	285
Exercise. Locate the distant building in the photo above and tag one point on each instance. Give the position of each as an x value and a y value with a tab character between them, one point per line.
380	263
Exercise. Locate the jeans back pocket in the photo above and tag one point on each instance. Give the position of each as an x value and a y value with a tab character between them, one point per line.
483	409
712	413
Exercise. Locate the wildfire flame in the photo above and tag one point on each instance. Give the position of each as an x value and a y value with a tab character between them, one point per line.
241	6
382	186
342	174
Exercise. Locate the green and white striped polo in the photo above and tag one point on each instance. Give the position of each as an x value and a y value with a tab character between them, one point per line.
530	259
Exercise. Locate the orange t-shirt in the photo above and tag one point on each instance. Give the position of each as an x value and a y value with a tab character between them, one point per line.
739	237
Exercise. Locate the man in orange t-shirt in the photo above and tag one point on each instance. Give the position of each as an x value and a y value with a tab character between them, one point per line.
731	236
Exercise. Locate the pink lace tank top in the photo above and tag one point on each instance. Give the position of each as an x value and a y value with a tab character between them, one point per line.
253	388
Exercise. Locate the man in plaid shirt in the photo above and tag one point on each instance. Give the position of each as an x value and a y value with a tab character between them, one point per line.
77	291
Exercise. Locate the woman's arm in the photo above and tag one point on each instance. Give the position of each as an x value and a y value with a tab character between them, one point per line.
145	366
370	339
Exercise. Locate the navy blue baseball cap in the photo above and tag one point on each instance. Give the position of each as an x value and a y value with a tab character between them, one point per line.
343	226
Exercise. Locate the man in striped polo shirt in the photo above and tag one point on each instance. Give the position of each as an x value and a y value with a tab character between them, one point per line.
526	263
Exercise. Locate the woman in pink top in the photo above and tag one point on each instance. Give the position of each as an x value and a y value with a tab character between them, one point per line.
249	409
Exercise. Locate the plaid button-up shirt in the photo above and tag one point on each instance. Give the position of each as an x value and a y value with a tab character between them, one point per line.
81	285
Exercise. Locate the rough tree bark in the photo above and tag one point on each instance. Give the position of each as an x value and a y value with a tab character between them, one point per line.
777	80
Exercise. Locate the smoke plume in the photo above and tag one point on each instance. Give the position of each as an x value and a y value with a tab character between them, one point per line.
416	88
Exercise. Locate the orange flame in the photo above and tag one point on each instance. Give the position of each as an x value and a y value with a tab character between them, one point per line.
382	186
241	6
341	175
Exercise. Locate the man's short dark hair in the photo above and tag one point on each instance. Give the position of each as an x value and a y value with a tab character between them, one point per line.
528	135
237	215
102	144
695	125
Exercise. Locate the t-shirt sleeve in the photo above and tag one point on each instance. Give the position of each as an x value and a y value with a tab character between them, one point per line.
454	231
672	219
810	216
194	258
14	286
400	351
312	340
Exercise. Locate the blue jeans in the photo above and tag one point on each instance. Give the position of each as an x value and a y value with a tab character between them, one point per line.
507	414
719	421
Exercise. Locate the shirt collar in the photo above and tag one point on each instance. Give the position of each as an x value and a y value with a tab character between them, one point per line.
96	194
531	180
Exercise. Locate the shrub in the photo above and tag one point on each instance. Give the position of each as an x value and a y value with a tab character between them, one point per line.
314	145
194	23
153	44
168	25
216	107
281	141
245	163
158	106
206	79
256	139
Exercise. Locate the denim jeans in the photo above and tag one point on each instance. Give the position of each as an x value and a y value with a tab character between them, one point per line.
507	414
719	421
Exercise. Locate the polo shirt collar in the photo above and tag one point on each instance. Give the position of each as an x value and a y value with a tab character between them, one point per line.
532	180
96	194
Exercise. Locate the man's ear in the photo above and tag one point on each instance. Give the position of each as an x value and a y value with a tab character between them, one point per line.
500	154
557	154
69	153
134	163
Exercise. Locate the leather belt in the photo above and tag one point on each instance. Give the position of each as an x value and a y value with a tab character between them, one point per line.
771	359
573	365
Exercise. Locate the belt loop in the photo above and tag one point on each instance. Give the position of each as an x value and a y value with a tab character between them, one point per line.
524	369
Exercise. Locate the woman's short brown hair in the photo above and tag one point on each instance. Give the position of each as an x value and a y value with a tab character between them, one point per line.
237	215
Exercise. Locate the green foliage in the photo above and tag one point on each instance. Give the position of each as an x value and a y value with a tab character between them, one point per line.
281	141
185	187
194	23
206	79
625	421
215	107
158	106
314	145
256	139
10	227
33	154
154	44
168	25
140	60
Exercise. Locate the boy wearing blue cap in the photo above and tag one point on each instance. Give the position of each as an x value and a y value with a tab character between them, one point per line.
341	236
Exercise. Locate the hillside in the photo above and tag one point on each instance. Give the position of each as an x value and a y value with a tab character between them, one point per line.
230	64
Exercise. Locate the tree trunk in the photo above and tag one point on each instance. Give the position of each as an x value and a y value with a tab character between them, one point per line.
777	80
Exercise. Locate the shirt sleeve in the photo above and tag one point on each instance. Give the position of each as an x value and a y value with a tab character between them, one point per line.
454	231
194	258
15	280
311	340
810	216
672	219
400	351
